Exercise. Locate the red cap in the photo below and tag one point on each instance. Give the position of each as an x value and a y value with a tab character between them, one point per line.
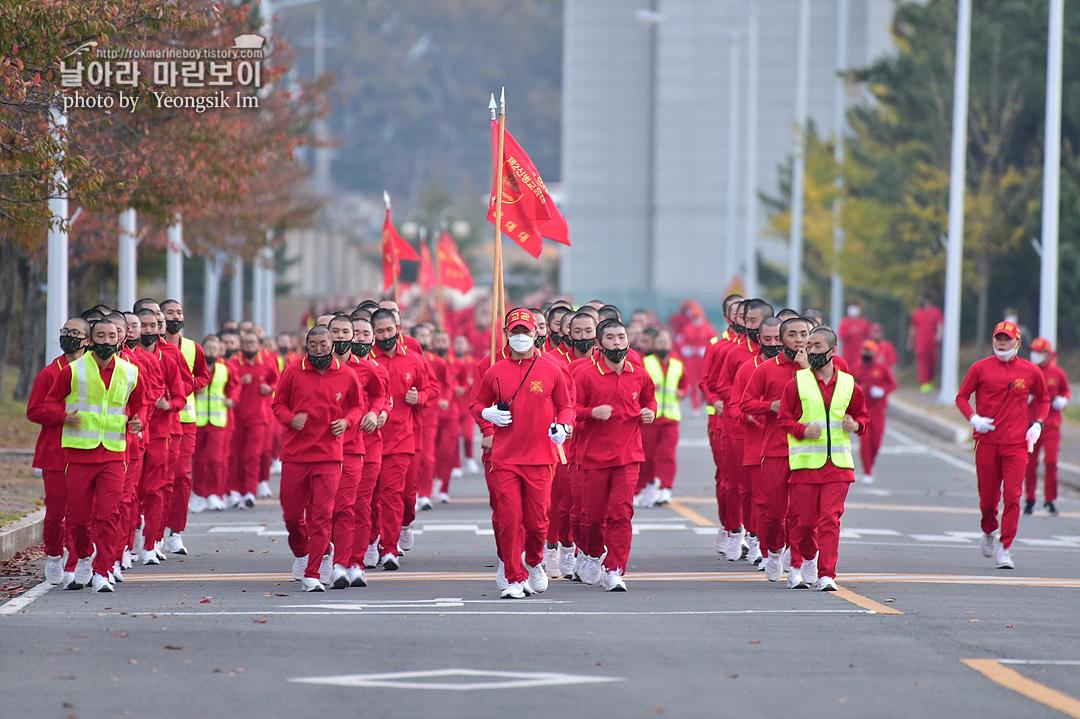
870	345
520	318
1041	344
1007	328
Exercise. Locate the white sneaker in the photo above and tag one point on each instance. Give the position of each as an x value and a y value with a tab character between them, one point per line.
101	584
809	570
299	566
262	491
84	571
356	576
826	584
988	544
326	566
500	576
528	588
514	591
455	473
665	497
160	554
69	581
390	562
234	499
149	557
636	501
612	580
753	553
54	569
651	493
444	498
311	584
127	559
551	562
538	579
249	501
137	547
196	504
473	466
175	544
117	574
339	577
866	479
1003	559
566	561
785	558
371	556
721	541
795	580
423	504
734	548
275	467
215	503
590	570
405	541
774	568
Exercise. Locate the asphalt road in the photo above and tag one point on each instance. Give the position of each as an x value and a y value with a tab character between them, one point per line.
923	626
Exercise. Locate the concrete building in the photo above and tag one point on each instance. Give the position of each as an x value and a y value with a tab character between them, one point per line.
644	141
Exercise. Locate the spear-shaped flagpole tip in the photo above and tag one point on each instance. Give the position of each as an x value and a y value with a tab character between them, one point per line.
492	106
502	100
386	199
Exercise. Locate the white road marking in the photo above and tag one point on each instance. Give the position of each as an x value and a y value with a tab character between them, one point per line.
493	613
23	600
417	680
651	527
939	538
932	451
1047	662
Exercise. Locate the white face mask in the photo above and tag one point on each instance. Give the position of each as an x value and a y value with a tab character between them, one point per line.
520	343
853	311
1038	357
1005	355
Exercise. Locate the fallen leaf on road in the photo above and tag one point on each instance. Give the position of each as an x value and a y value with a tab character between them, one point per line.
755	641
172	646
204	601
260	621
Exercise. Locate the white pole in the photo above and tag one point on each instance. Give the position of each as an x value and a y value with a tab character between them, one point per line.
257	293
837	290
174	261
125	287
751	151
211	282
56	295
950	351
1048	267
731	242
269	281
799	164
238	289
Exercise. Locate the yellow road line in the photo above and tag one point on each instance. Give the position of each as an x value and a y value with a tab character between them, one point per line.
993	670
690	514
879	507
865	602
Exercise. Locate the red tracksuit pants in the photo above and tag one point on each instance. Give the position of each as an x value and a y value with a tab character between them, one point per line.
870	441
609	509
408	501
177	509
245	457
925	360
392	501
559	508
426	469
53	532
716	442
343	531
817	509
366	500
446	450
307	503
94	492
519	497
1000	469
1049	444
771	497
735	484
210	461
152	490
130	506
467	429
659	440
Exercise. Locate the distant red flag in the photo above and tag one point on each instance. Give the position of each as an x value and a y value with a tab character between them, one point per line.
394	250
426	277
529	213
453	271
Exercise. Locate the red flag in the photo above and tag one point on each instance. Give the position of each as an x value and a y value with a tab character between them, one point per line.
453	271
394	249
529	213
426	277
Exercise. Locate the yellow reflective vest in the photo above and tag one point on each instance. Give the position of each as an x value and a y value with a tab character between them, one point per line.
187	348
103	410
834	444
667	387
210	401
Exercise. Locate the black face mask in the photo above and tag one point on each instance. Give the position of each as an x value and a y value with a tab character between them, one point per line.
131	342
539	341
342	346
615	355
816	360
321	362
105	351
387	345
556	338
148	341
282	350
868	358
230	353
753	334
790	353
584	346
771	351
211	361
441	351
739	329
69	344
361	349
250	355
661	354
173	327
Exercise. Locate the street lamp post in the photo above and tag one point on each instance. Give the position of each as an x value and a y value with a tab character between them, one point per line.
799	165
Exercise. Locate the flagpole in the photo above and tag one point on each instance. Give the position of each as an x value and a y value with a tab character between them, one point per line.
393	250
498	237
436	261
499	203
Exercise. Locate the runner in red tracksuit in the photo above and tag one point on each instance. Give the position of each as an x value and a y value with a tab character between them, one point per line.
924	335
130	517
613	399
48	454
1004	434
761	399
258	374
713	362
319	399
464	364
559	552
527	398
1057	385
210	462
437	417
877	382
582	354
172	354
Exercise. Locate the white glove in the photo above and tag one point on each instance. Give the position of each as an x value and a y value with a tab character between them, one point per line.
558	433
877	392
1060	402
1033	433
687	351
498	417
982	424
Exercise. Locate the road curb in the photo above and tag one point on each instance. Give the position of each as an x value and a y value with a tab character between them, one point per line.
909	413
22	534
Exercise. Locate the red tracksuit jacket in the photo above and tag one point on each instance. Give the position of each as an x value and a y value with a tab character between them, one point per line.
253	407
617	440
765	386
47	453
1001	392
326	397
406	368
